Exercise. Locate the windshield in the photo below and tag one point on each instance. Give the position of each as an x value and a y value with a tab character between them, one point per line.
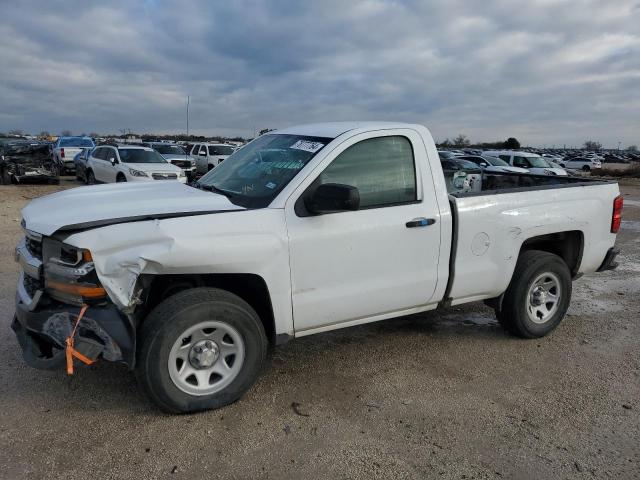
497	162
446	155
254	175
138	155
538	162
169	149
220	150
76	142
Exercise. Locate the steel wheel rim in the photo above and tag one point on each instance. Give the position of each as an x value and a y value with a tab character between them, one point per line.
543	298
206	358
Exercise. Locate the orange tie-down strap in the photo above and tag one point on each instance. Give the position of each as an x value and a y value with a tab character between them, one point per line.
70	351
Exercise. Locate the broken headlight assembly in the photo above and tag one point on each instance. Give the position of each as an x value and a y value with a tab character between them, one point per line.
69	274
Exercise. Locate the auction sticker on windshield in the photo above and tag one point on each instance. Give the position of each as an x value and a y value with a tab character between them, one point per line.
307	146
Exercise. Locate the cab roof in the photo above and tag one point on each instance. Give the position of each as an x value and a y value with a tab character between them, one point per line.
335	129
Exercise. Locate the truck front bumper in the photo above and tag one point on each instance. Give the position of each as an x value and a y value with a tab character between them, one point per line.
41	328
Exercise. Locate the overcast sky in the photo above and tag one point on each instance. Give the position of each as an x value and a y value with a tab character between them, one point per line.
545	71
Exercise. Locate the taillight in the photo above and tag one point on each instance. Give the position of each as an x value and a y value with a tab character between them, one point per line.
616	217
62	153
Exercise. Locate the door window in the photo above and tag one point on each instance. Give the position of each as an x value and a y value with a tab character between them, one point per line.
382	169
100	153
521	162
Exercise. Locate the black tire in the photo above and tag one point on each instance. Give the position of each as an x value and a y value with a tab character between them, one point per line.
5	177
55	170
209	167
586	168
167	323
514	314
121	178
91	179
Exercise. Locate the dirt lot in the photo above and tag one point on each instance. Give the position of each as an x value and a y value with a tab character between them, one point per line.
446	395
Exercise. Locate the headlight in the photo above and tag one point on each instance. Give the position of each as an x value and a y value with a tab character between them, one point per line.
181	174
137	173
69	274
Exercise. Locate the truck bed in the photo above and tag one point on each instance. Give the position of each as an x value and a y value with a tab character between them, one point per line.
491	225
492	183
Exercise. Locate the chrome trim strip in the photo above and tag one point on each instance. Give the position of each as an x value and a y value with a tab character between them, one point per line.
30	302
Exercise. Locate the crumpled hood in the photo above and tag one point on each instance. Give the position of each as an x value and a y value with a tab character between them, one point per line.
98	205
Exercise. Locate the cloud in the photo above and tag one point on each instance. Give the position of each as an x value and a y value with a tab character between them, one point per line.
545	71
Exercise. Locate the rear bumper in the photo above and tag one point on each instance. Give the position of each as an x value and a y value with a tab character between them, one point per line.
609	262
41	331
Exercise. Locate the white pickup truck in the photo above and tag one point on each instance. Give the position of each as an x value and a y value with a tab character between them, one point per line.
64	151
303	230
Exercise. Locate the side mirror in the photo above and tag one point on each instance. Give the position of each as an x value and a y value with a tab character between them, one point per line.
203	154
113	161
333	197
482	164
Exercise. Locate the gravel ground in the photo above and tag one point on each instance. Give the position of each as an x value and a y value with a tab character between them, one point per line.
446	395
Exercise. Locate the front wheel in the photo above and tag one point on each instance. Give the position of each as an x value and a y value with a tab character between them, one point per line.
586	168
538	296
91	178
200	349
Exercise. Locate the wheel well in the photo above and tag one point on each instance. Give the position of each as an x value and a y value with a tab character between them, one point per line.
567	245
251	288
121	175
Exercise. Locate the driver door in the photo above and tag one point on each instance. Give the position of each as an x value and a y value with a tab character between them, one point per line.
358	266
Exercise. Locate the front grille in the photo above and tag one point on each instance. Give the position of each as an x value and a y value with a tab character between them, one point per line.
32	285
182	163
164	176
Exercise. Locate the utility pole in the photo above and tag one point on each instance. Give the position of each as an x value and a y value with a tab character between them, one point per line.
187	117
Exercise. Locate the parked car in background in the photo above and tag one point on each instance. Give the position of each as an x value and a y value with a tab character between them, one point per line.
26	162
109	164
492	164
446	155
80	161
585	164
64	151
209	155
177	155
533	162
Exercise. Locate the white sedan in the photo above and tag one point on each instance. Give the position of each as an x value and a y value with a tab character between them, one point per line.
109	164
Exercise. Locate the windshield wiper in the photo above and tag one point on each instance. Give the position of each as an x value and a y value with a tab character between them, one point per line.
213	188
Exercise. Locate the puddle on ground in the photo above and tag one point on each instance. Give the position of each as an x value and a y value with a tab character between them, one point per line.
634	226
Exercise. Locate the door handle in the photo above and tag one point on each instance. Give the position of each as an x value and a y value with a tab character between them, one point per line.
420	222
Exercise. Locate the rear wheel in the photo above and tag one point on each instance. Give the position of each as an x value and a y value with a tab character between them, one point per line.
538	296
200	349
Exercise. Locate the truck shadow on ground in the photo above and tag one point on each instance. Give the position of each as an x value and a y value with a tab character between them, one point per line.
112	387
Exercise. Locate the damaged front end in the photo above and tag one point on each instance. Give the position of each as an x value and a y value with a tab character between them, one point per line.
56	281
27	164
